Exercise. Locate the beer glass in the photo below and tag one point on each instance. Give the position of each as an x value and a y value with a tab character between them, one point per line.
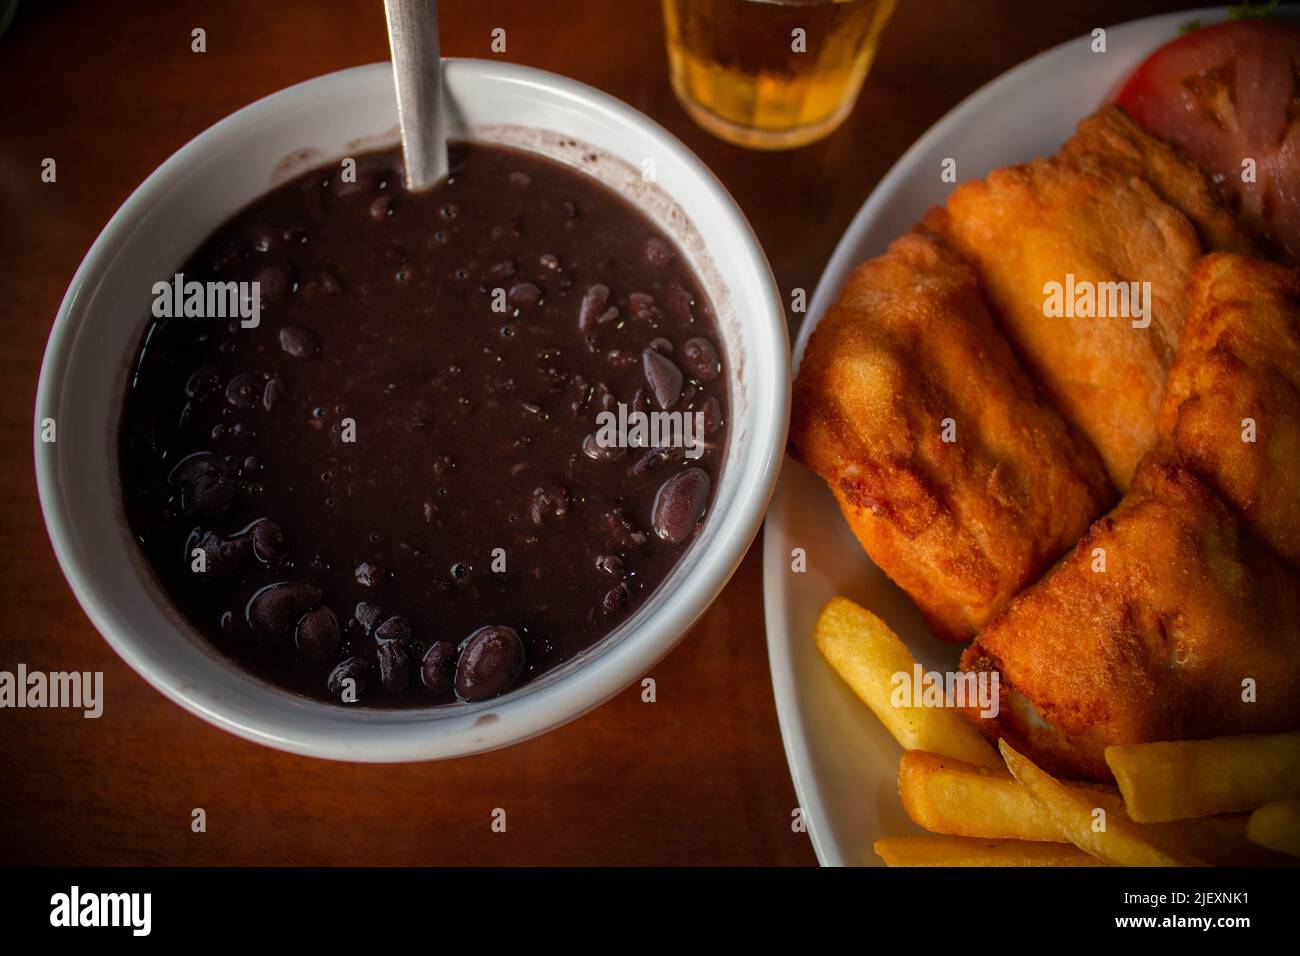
771	74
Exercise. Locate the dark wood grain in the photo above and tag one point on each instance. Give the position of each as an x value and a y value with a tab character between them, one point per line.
110	90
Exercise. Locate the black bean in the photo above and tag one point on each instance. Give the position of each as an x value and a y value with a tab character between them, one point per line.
679	302
650	459
243	390
524	295
615	599
369	575
621	531
491	660
211	495
394	629
367	616
502	270
680	504
394	659
207	483
351	669
701	359
298	342
712	412
365	179
274	281
273	608
190	468
620	358
268	541
594	450
642	305
658	253
220	555
317	634
595	309
438	669
548	501
602	398
663	377
272	392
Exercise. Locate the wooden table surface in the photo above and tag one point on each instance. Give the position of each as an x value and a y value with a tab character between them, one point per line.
699	777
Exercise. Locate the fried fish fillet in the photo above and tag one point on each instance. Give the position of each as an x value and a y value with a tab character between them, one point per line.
1231	411
1110	137
1089	229
907	356
1153	628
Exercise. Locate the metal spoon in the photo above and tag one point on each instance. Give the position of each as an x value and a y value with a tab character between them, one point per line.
417	71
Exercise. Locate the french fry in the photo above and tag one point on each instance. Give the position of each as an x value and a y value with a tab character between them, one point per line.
966	851
1276	825
867	654
960	799
1195	778
1120	842
1178	799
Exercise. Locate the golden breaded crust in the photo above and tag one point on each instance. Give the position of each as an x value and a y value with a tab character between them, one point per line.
960	526
1156	646
1025	226
1240	363
1112	138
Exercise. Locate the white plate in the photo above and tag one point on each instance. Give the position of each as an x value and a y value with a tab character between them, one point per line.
843	761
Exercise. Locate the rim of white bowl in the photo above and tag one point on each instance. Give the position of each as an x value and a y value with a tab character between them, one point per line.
327	731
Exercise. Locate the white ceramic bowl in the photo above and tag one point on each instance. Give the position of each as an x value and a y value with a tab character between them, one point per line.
104	312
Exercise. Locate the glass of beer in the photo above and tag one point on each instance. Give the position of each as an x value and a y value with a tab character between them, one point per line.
771	74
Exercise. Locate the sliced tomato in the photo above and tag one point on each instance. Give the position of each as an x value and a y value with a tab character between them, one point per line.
1226	94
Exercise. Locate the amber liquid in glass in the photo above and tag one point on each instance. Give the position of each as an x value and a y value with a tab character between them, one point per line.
745	72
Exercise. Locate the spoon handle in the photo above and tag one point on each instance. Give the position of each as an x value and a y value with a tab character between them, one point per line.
417	71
